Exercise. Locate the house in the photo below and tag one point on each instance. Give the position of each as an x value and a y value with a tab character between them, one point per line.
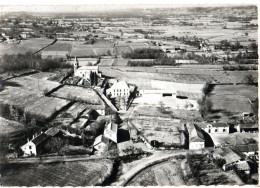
35	146
101	143
243	166
216	128
248	150
228	155
119	89
247	127
110	131
196	137
84	71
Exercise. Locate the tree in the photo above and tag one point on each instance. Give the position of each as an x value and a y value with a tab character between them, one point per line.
205	106
249	79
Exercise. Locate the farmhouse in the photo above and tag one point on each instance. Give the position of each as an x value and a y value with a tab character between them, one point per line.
216	128
247	127
196	138
101	143
35	146
230	157
119	89
110	131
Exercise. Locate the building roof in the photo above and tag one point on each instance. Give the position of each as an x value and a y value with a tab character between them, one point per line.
120	85
246	148
243	165
52	131
195	133
248	126
88	68
40	139
228	154
100	139
112	126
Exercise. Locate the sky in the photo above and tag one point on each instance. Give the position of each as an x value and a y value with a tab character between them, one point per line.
108	5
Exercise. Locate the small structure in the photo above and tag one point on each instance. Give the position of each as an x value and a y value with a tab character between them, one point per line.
101	143
196	138
243	166
230	157
247	127
110	131
35	146
248	150
119	89
85	71
216	128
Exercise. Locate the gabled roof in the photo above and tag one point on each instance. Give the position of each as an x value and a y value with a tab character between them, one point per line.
219	124
40	139
120	85
248	126
88	68
246	148
228	154
112	126
195	133
52	131
100	139
243	165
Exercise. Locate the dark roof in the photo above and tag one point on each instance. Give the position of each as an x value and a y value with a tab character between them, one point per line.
228	154
219	124
246	148
248	126
52	131
40	139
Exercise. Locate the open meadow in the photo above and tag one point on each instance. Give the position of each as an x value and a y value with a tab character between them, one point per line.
86	173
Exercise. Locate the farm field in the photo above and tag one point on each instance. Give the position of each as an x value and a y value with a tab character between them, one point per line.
88	96
106	62
9	126
57	174
31	45
233	98
169	173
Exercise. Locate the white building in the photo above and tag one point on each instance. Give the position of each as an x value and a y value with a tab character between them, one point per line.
216	128
101	143
110	131
84	71
196	138
119	89
34	146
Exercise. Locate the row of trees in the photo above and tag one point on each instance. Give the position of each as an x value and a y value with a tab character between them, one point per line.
10	63
239	67
93	77
145	53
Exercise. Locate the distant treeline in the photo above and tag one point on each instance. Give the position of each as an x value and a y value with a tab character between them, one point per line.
145	53
239	67
163	61
9	63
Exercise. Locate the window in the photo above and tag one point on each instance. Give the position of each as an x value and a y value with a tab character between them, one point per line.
224	130
216	130
30	147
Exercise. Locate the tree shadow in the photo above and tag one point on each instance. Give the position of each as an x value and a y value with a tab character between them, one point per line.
123	135
11	83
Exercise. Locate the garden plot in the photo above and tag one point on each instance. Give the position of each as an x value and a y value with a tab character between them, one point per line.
8	126
57	174
46	106
166	131
85	95
106	62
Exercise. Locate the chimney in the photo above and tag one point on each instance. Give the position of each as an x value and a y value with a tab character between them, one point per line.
33	136
28	139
